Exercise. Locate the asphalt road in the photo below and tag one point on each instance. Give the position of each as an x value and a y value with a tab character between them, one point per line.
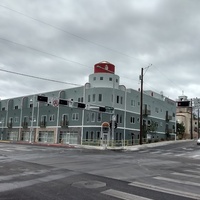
158	173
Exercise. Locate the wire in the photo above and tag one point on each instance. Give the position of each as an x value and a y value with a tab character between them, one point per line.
69	33
37	77
34	49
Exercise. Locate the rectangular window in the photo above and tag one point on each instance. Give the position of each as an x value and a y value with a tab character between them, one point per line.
132	120
117	99
121	100
3	108
101	78
16	107
120	119
92	117
75	116
88	98
132	102
93	97
100	97
98	135
110	79
16	119
94	78
99	117
65	117
92	135
51	118
87	117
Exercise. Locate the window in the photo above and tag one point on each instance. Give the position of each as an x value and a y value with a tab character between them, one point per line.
3	108
117	99
79	99
161	124
31	105
116	80
93	97
99	116
149	122
16	119
101	78
94	78
156	109
98	135
16	107
86	136
10	119
51	118
110	78
88	117
88	98
43	118
121	100
65	117
92	136
75	116
100	97
132	120
132	102
138	120
92	117
120	119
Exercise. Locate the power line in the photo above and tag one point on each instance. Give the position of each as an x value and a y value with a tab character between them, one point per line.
37	77
44	52
69	33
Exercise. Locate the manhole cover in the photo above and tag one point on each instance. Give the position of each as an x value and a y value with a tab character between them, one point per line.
89	184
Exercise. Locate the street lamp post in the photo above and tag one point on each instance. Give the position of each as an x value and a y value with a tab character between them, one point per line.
141	105
2	123
32	116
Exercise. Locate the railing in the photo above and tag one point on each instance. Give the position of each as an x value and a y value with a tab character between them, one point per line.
43	124
25	124
64	123
146	112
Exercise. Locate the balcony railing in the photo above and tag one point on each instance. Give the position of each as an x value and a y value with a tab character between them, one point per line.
168	117
9	124
146	112
43	124
64	123
25	124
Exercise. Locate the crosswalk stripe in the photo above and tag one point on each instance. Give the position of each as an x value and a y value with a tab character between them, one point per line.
176	181
186	175
194	156
193	171
123	195
165	190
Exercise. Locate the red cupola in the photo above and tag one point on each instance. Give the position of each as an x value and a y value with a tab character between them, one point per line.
104	67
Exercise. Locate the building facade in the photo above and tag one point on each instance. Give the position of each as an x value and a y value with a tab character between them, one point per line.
101	110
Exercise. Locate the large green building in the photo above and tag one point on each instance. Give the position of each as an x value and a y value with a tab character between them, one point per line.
83	115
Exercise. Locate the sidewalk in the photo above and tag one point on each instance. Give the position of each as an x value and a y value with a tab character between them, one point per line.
132	148
124	148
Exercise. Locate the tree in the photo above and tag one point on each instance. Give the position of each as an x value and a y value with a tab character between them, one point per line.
180	128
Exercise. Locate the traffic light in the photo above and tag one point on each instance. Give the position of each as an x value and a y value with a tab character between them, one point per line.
102	109
42	98
81	105
63	102
183	103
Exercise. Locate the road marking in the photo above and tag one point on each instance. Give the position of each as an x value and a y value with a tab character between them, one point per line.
155	152
166	190
6	150
123	195
194	171
186	175
176	181
21	184
182	154
167	153
194	156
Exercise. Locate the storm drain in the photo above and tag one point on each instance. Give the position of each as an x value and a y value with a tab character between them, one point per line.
89	184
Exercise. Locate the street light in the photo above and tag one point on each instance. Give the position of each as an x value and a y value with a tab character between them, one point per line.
32	116
2	123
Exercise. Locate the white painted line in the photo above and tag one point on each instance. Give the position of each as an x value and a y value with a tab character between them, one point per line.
155	152
166	153
194	156
182	154
193	171
177	181
6	150
123	195
166	190
186	175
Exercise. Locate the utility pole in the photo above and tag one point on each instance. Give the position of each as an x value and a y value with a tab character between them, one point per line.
141	106
191	122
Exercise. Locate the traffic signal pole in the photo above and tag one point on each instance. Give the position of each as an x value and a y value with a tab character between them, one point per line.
141	105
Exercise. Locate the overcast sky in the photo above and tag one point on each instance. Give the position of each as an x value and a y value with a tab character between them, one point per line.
63	39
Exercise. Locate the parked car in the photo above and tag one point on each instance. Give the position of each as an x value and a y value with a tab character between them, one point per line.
198	141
